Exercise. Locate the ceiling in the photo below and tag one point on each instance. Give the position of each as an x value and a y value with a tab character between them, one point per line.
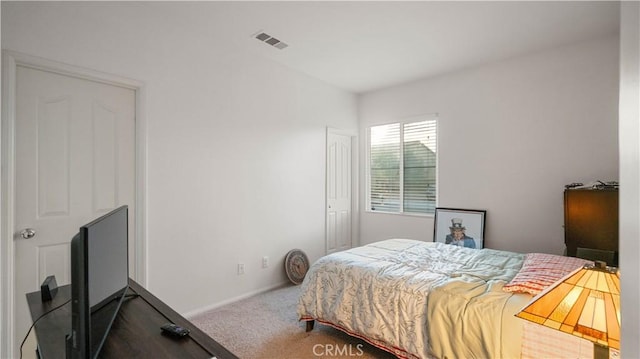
363	46
359	46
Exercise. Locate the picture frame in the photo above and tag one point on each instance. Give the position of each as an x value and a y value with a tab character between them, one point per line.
457	226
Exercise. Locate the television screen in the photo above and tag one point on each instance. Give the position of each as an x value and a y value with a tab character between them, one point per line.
99	280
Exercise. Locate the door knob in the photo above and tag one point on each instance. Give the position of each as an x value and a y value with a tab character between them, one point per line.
28	233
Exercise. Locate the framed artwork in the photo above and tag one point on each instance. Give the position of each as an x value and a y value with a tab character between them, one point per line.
460	227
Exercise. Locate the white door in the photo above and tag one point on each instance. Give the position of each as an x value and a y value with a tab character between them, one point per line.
338	229
74	161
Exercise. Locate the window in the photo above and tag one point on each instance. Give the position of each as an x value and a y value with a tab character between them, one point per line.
402	167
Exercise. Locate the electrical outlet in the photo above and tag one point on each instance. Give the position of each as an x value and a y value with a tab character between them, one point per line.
265	262
240	268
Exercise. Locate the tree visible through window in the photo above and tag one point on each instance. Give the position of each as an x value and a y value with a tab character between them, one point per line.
402	167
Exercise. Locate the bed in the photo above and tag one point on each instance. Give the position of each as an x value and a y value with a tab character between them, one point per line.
420	299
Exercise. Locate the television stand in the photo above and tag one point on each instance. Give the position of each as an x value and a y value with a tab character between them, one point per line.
135	332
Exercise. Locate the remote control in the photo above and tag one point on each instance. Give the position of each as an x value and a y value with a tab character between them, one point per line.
174	330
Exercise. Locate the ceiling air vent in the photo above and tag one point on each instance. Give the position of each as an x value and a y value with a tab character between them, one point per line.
268	39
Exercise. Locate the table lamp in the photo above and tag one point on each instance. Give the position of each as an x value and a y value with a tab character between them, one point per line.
585	303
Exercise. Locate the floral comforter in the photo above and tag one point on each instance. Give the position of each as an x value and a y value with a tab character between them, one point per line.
415	299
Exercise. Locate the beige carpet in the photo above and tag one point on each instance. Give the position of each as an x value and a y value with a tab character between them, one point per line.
266	326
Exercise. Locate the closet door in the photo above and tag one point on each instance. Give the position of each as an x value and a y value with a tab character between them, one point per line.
338	216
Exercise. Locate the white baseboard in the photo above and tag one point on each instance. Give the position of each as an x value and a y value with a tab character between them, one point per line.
189	315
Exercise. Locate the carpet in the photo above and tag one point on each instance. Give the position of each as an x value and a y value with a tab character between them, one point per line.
266	326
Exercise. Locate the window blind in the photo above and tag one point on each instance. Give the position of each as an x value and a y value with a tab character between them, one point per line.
402	168
385	168
419	175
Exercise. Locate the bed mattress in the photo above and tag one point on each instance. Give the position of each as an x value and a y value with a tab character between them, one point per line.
419	299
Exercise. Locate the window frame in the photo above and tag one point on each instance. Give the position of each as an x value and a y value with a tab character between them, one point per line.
402	122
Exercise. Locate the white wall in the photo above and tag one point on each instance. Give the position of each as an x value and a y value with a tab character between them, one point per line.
236	144
630	176
511	135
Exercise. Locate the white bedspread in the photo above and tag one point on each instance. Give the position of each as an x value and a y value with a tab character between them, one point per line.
399	293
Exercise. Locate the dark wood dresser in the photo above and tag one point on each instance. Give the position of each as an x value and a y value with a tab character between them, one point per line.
591	221
135	332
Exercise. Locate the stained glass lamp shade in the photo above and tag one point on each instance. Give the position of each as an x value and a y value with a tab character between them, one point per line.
585	303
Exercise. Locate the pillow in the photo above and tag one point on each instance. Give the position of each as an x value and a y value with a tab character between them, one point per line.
540	270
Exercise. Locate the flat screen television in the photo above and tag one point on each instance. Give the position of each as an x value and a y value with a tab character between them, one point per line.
99	280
